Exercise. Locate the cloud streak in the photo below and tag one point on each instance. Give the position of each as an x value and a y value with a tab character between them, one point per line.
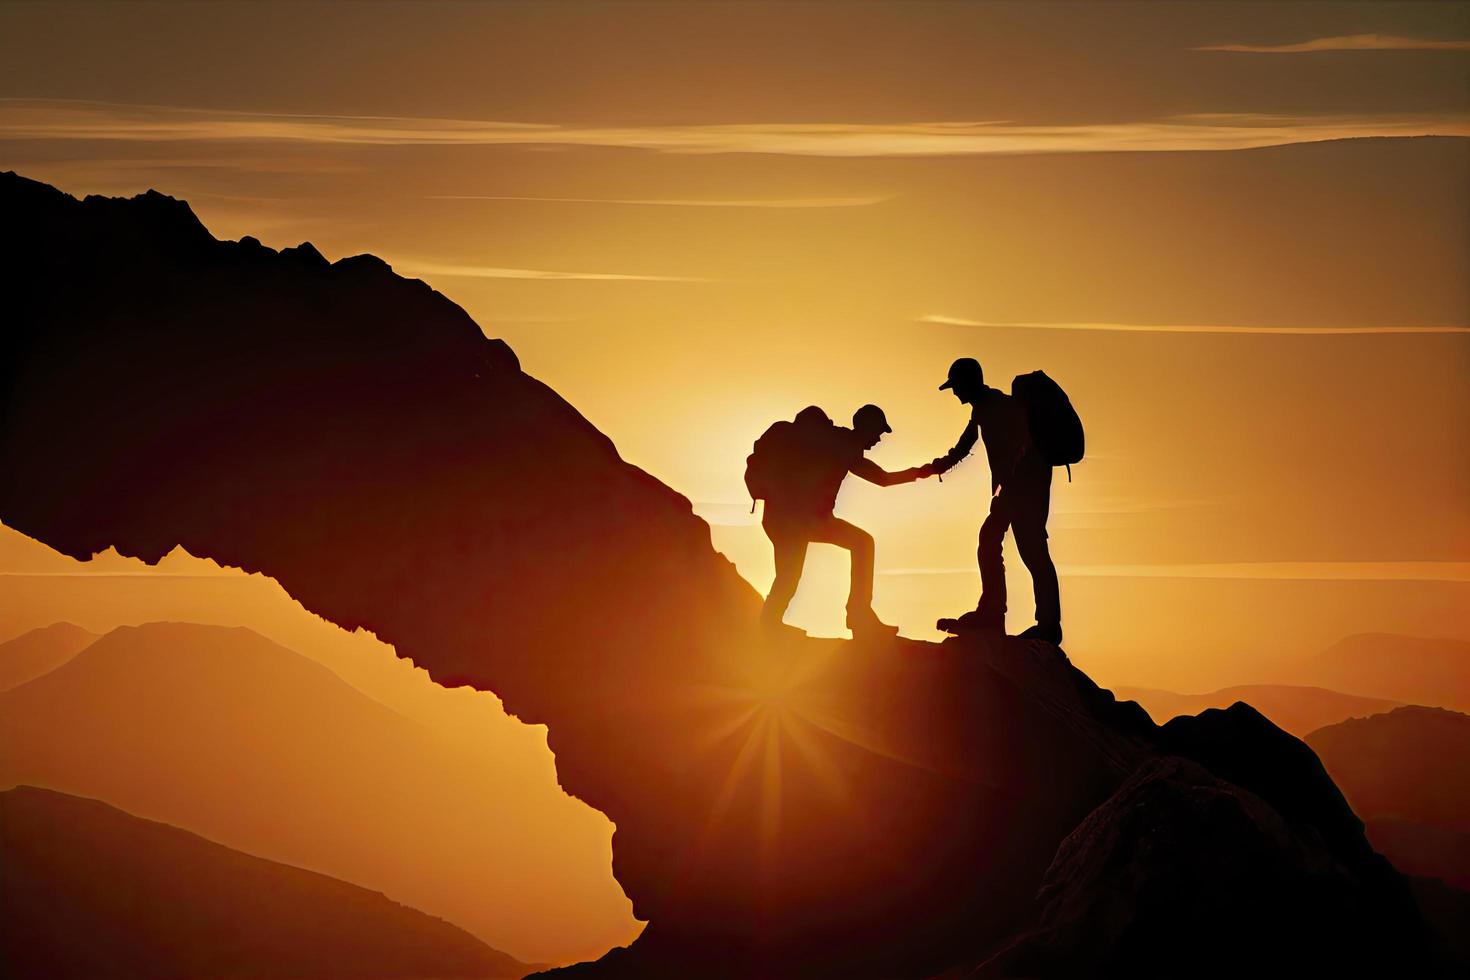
1345	42
953	321
496	272
22	119
776	203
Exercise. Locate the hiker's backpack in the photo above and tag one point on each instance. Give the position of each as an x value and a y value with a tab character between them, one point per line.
798	464
763	467
1056	429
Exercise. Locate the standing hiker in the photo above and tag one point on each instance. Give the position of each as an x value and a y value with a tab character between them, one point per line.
1026	433
797	468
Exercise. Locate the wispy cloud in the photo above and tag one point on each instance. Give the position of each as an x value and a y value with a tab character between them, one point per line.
954	321
777	203
496	272
61	120
1345	42
1335	571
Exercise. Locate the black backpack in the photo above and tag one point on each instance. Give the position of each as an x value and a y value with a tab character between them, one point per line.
793	462
1056	429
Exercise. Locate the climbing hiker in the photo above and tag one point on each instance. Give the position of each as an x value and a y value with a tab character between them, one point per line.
1025	433
797	468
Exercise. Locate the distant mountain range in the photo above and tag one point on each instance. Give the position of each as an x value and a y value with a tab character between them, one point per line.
40	651
225	733
1407	669
90	891
1299	710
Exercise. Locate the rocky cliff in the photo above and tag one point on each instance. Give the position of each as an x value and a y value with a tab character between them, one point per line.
815	809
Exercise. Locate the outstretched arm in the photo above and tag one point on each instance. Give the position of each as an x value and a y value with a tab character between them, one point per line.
961	449
873	473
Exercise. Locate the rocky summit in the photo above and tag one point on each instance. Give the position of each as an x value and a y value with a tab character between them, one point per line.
798	809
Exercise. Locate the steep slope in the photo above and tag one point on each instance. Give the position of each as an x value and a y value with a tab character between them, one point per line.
90	891
1404	773
1410	669
225	733
40	651
815	809
1298	710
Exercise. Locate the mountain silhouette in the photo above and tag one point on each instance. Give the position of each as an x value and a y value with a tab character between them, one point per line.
1298	710
802	809
40	651
225	733
92	891
1408	669
1404	773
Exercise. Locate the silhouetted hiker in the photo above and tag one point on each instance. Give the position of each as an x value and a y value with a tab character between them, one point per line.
1026	433
797	468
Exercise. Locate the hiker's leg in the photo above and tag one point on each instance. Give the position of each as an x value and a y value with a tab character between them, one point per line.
992	603
1032	506
790	547
860	544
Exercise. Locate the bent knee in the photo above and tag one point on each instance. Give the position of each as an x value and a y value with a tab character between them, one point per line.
859	541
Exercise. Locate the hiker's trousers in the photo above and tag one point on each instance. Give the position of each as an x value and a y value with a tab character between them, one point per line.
790	537
1022	506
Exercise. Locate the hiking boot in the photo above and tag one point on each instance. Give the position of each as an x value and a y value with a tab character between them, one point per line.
1050	632
974	621
865	624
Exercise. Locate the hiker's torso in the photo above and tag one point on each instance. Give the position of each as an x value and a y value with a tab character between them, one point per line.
1003	429
810	491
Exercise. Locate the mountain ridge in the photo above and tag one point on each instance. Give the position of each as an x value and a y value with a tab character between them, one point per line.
815	809
37	652
176	904
1297	708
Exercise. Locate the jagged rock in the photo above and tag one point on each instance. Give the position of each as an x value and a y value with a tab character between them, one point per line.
812	809
1183	874
1241	745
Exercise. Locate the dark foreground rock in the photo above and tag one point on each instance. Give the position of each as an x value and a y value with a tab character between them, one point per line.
1178	862
813	809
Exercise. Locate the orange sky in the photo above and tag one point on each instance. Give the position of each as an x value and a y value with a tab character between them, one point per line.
691	219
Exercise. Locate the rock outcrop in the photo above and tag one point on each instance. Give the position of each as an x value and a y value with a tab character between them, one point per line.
811	809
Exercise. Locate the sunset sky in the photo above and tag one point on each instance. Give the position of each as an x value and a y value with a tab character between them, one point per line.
1238	234
692	219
